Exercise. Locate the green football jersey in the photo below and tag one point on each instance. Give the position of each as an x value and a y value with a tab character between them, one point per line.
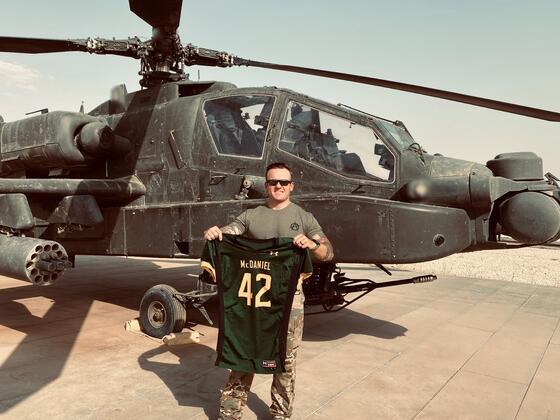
257	280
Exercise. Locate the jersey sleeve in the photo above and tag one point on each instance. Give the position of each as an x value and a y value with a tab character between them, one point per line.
311	226
240	224
208	258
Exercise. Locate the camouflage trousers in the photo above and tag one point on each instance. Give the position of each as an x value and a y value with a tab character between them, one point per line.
282	391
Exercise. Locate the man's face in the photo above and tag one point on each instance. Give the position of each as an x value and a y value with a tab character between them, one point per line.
279	192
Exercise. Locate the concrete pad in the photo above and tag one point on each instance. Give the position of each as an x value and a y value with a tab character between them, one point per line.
347	325
387	306
513	294
452	307
37	332
476	291
542	400
92	339
109	384
398	353
473	396
314	345
506	358
488	316
407	330
545	301
9	283
531	329
21	321
27	353
556	336
349	364
409	381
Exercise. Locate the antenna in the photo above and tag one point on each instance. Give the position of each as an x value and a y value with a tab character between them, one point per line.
42	111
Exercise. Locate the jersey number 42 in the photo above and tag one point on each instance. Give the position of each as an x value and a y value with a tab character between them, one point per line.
245	289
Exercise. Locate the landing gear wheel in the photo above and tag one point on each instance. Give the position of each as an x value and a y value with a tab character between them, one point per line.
161	313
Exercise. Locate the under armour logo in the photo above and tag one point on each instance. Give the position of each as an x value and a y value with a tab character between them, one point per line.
275	253
270	364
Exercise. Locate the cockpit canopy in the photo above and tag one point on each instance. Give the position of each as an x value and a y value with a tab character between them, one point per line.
238	124
335	143
352	147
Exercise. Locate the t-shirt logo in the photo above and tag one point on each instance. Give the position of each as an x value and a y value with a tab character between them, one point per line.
294	226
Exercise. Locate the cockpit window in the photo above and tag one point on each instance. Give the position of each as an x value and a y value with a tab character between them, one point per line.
397	132
238	124
335	143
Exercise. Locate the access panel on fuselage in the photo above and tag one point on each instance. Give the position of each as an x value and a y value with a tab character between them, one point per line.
373	230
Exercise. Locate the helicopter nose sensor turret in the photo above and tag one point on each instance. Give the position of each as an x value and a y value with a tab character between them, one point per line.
530	218
509	196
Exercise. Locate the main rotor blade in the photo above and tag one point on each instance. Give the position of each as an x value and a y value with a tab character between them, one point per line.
122	47
162	13
422	90
40	45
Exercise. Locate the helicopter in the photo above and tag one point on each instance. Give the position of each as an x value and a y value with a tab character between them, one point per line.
145	172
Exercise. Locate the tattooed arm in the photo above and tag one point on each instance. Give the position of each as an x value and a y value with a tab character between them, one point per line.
237	227
325	250
232	229
216	233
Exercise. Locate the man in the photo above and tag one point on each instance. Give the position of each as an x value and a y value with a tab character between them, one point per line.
279	218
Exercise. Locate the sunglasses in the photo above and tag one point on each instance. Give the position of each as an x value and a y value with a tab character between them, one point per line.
274	182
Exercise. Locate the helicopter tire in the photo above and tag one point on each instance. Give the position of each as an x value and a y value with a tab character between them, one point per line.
161	313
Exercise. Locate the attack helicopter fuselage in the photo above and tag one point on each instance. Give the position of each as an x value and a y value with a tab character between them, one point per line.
145	173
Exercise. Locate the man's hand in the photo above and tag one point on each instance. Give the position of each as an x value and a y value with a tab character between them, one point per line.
213	233
303	241
323	252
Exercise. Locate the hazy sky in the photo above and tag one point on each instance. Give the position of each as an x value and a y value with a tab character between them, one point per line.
505	50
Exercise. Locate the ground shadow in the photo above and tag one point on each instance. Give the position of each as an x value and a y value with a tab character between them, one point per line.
196	383
333	326
46	341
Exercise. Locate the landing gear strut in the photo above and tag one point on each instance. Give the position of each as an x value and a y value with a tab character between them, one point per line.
328	287
163	309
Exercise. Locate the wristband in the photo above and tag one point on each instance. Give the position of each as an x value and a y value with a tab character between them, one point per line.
317	243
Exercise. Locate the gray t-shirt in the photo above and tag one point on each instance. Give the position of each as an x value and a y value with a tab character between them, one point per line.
265	223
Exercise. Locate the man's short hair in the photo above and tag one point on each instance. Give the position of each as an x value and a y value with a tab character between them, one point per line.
278	165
